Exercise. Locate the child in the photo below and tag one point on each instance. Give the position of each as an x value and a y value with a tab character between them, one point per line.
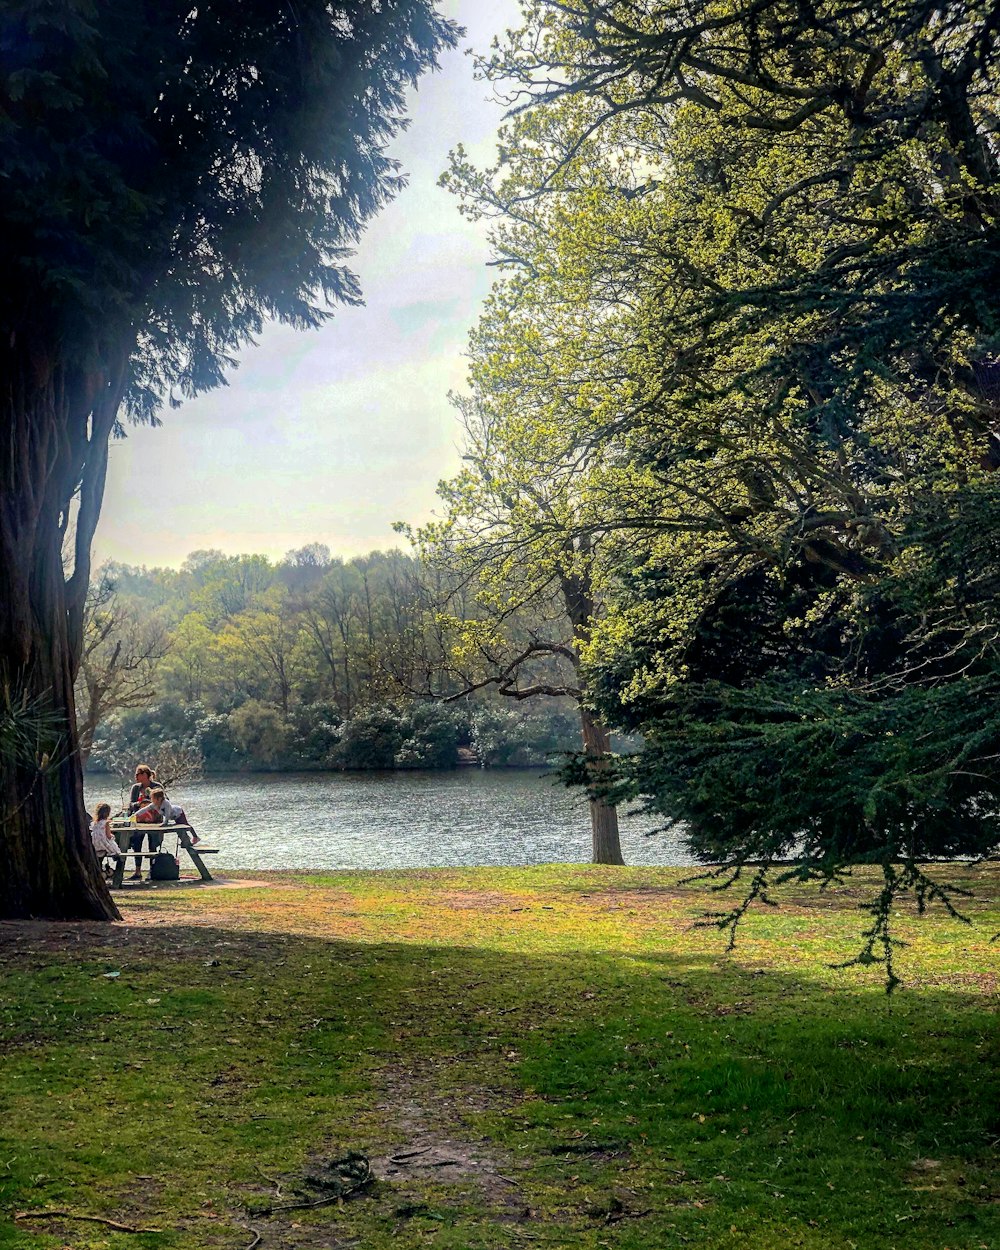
102	837
144	813
160	809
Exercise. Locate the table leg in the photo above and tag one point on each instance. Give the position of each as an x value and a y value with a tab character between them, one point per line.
185	840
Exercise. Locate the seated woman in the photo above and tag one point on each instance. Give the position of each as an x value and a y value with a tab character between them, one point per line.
139	795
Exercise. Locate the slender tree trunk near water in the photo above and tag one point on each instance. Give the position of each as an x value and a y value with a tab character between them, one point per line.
603	817
581	608
53	458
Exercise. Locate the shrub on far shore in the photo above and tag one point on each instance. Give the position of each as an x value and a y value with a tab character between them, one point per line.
257	736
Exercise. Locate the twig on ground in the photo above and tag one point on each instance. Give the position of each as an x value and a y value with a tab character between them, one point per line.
408	1154
616	1217
297	1206
258	1237
271	1181
76	1215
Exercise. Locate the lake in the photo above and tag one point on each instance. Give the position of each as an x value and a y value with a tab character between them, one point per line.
471	816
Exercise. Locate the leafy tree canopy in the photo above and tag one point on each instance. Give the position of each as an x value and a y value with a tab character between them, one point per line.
756	244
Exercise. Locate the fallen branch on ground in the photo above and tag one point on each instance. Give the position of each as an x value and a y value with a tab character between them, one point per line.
76	1215
408	1154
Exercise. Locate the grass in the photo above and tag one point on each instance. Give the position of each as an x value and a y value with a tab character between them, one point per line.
574	1062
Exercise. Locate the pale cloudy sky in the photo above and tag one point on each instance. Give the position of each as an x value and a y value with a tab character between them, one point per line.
330	436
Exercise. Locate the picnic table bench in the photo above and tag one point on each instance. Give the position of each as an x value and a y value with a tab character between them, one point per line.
121	829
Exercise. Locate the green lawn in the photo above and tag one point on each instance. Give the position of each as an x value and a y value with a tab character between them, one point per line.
549	1057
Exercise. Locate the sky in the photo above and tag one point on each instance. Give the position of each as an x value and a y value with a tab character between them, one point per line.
331	435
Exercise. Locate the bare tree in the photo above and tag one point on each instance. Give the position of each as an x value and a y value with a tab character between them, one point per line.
172	763
121	652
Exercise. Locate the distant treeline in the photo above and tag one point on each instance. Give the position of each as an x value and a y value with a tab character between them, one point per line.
310	662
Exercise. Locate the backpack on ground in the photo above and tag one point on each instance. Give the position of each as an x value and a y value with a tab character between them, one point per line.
164	868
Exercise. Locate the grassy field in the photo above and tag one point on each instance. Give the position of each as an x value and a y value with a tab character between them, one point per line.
538	1057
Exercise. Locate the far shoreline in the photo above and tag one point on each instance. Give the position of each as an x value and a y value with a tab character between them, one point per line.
358	772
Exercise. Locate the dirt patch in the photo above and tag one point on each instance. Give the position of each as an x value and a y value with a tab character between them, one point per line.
480	900
636	896
446	1159
140	934
196	883
19	936
428	1159
433	1142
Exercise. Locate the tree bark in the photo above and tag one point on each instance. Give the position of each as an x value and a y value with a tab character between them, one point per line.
53	459
603	817
581	608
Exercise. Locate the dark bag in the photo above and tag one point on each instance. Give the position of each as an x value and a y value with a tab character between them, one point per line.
164	868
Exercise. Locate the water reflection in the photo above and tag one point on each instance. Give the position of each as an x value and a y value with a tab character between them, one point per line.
397	820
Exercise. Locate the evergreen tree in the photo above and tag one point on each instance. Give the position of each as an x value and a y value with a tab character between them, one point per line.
175	176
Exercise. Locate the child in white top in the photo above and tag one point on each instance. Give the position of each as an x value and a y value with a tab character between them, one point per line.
101	835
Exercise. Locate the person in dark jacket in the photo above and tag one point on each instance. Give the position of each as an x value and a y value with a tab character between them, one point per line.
139	795
138	799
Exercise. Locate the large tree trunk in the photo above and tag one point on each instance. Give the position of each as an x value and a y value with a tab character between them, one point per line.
53	458
603	817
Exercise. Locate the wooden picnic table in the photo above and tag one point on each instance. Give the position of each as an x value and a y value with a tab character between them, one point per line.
123	828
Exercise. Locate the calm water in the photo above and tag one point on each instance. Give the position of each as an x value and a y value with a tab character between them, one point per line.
396	820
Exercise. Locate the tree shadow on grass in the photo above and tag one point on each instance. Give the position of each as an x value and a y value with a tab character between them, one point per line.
633	1102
